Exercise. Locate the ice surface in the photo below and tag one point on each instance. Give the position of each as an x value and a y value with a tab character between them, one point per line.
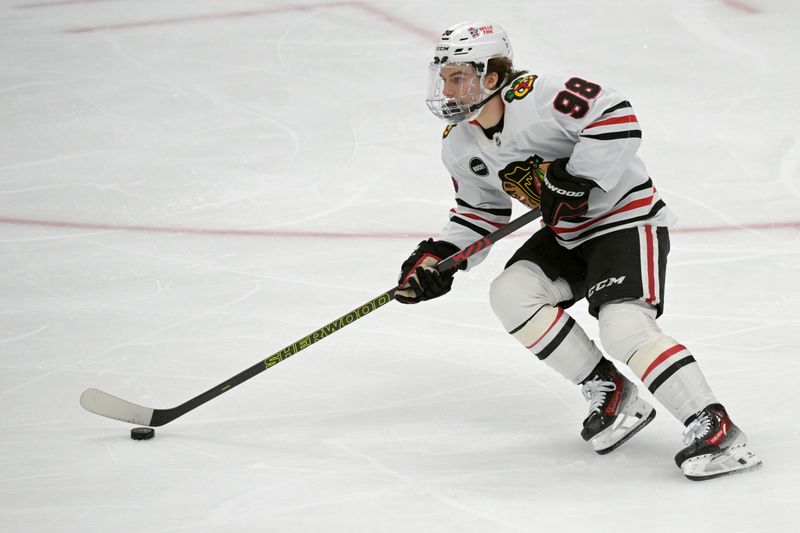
187	187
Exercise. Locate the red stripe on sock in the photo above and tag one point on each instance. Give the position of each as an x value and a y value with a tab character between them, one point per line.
663	357
558	317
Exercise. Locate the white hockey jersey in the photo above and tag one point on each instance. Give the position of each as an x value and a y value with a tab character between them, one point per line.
547	118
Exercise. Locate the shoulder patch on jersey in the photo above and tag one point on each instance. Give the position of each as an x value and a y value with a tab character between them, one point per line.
447	130
520	88
477	166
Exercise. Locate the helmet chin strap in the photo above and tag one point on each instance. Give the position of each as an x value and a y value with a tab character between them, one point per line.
476	107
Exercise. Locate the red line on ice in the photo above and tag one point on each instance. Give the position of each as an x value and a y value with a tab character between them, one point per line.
202	18
374	11
58	3
397	21
63	224
744	7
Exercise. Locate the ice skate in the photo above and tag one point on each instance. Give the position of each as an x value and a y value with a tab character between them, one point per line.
716	447
616	413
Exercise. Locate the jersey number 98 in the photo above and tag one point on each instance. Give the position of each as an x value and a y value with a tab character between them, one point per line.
575	100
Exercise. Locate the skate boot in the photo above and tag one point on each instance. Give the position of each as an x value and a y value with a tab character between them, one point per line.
616	413
716	447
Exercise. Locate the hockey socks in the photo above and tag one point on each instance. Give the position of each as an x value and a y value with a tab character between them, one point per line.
671	374
555	338
616	412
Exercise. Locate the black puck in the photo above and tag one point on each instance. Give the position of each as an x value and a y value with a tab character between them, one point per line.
142	433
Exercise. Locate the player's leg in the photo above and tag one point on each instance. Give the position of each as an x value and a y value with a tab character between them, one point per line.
529	298
627	309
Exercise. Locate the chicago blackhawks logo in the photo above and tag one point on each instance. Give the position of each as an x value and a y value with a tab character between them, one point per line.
523	180
520	88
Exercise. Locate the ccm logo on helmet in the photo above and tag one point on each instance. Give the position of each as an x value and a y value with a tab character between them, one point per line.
563	192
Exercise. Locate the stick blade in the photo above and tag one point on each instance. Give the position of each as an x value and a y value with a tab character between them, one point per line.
104	404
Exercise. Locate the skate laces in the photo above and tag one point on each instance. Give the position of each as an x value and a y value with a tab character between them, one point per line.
595	391
697	429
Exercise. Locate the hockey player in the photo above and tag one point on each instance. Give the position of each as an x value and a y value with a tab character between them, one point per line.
567	145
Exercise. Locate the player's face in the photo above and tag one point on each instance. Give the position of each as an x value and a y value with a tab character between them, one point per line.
461	83
452	91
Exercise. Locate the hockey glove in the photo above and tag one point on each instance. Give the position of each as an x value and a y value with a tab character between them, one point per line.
419	280
564	196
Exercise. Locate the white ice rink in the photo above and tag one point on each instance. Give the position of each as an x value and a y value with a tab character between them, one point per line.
187	187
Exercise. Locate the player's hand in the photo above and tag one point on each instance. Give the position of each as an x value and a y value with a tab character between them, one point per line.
564	196
419	280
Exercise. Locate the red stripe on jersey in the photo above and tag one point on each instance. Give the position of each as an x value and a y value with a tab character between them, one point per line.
635	204
476	217
615	120
558	317
663	357
651	270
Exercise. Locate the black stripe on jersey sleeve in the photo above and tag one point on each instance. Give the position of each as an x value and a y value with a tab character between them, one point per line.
653	212
643	187
498	212
620	105
614	135
666	374
477	229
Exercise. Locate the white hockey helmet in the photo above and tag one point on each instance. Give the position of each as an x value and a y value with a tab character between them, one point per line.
471	45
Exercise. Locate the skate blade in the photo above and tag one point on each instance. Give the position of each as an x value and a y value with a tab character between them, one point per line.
645	419
739	461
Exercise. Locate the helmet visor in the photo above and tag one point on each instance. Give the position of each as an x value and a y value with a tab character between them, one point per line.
454	91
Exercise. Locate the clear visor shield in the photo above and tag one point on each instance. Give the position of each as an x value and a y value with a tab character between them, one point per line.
454	91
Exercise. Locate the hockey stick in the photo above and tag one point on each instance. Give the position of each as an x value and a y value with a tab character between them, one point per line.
104	404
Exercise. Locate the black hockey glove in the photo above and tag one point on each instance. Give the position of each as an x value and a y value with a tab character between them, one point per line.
419	280
564	196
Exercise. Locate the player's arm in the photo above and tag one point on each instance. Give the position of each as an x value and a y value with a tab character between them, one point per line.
608	136
478	211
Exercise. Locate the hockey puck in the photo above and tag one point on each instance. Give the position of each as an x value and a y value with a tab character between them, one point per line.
142	433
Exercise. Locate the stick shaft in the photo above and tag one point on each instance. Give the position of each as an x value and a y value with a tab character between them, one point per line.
479	245
110	406
161	417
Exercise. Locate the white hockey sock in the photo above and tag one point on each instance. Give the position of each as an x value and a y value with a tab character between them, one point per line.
555	338
672	375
